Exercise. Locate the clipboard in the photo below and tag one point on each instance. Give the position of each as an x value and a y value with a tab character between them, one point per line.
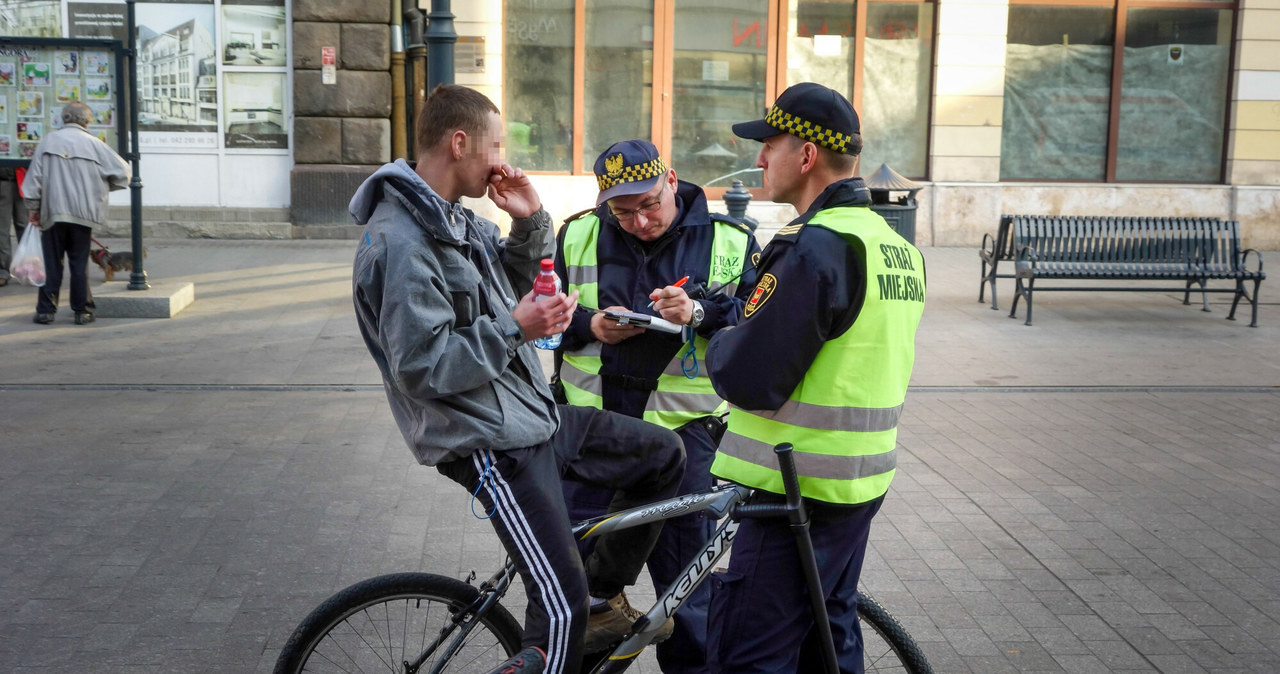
643	321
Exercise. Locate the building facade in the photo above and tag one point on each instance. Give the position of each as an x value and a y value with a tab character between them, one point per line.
1077	107
1127	107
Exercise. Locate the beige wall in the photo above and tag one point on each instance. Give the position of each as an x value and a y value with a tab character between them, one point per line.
1254	141
969	86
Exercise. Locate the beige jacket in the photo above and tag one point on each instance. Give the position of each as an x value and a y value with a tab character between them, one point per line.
70	177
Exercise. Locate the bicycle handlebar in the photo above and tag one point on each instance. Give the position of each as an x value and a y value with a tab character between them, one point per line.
793	509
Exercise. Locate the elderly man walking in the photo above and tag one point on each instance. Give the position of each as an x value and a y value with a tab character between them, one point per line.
66	190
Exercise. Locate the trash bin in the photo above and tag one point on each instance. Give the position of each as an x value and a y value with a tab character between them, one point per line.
899	211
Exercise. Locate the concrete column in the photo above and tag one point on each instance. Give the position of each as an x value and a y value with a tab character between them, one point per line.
967	119
1255	127
1254	145
342	131
970	90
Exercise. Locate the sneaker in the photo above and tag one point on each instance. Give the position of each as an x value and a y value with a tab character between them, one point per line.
531	660
609	623
43	319
84	318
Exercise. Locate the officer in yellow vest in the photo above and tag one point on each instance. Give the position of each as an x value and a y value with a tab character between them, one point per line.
648	231
821	360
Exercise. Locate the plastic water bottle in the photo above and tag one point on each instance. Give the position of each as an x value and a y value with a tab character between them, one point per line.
547	284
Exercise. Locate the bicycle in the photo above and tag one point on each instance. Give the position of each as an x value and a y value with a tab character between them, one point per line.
424	622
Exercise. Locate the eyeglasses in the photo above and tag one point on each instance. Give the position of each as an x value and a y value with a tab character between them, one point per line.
648	209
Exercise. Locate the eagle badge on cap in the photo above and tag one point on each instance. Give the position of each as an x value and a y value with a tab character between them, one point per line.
613	165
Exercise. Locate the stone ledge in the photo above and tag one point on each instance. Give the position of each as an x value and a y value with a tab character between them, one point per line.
201	214
200	230
327	231
164	299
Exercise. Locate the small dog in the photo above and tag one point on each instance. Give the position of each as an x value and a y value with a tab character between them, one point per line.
113	262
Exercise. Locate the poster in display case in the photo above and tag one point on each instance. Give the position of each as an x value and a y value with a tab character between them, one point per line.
38	76
253	33
177	75
255	111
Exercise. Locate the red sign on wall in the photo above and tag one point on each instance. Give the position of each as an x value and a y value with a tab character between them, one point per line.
328	56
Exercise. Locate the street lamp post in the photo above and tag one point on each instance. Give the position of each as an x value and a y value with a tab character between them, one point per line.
441	37
137	279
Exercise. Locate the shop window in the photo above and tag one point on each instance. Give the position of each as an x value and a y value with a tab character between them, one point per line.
890	87
1173	95
1057	92
538	67
1069	115
682	72
618	72
718	79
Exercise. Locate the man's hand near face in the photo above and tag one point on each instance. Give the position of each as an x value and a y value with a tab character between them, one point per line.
512	191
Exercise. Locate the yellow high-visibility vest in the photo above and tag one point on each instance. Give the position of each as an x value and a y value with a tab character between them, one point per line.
677	399
843	417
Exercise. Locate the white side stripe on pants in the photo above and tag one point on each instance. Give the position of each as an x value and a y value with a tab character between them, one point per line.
559	612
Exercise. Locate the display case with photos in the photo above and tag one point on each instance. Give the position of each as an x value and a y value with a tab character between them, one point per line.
38	76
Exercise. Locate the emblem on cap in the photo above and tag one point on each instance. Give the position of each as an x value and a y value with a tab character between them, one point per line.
613	165
616	173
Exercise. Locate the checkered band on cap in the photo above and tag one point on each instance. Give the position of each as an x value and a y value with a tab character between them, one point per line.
631	174
784	121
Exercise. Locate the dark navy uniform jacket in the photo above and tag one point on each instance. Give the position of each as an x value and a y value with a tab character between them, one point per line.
630	269
814	292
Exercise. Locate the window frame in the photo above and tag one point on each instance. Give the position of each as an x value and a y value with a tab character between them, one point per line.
1120	26
775	36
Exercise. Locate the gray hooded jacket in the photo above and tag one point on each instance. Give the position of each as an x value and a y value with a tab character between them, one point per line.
434	287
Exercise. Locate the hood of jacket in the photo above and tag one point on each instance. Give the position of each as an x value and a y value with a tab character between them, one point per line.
428	209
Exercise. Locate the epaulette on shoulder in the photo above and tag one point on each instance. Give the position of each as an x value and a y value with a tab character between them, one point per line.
577	215
730	220
790	232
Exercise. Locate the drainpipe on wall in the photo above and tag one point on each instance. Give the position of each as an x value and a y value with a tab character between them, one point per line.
398	146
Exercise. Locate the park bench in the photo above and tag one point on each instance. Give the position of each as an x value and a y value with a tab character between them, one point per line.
995	250
1183	251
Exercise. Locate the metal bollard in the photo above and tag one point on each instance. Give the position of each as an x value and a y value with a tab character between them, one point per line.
736	199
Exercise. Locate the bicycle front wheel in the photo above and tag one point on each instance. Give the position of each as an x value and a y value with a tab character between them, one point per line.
378	625
887	646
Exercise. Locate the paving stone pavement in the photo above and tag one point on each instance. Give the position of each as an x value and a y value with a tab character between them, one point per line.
1096	493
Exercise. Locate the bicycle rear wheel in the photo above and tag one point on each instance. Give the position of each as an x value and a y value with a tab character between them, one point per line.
378	624
887	647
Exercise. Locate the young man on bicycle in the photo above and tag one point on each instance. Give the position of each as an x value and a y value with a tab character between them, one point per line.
446	310
834	314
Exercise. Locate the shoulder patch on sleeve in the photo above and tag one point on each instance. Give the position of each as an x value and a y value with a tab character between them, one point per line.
764	290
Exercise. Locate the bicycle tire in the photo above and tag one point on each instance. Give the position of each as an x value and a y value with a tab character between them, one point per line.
888	647
377	624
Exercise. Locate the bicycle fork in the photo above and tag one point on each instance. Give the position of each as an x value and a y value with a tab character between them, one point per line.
463	620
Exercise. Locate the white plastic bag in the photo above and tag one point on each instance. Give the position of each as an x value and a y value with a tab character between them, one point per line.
28	260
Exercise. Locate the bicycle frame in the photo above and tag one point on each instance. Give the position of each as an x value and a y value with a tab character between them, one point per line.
717	501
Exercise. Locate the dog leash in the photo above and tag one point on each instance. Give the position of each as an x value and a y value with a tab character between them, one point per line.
104	246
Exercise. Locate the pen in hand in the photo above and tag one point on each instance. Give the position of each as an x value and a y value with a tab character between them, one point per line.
676	284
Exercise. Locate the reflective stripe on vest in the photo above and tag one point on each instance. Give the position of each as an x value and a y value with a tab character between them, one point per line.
580	260
843	417
677	400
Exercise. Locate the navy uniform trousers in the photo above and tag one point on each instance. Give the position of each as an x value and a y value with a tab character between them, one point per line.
682	538
641	462
764	587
